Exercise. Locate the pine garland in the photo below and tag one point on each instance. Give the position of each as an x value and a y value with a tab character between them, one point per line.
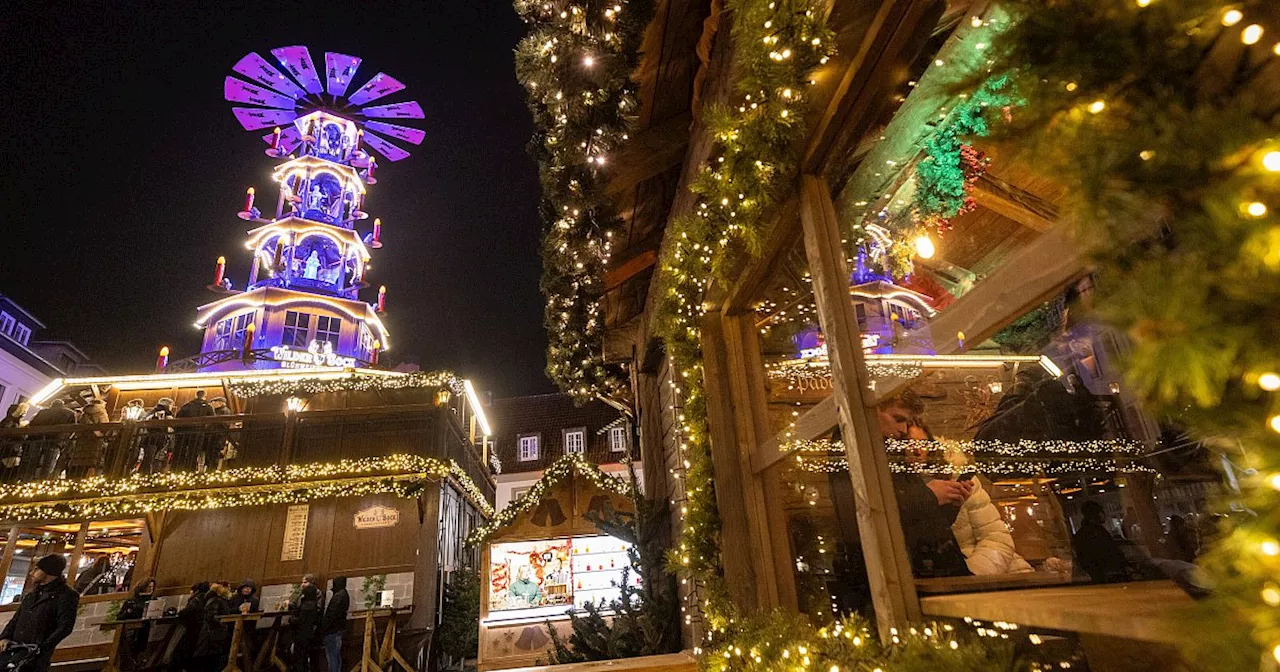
1160	119
777	47
576	65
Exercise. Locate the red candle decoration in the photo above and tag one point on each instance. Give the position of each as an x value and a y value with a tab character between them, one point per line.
248	340
163	360
382	298
359	137
373	163
377	230
248	200
373	355
219	270
275	139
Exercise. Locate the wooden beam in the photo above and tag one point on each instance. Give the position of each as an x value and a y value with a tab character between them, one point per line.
425	574
813	423
1012	202
649	153
629	269
10	547
736	531
780	234
884	547
77	551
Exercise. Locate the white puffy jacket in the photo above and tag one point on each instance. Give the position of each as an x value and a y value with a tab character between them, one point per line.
984	538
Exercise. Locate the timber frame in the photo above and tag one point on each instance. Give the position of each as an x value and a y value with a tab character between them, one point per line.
880	44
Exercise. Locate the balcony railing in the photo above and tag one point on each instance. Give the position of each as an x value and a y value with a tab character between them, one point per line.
117	450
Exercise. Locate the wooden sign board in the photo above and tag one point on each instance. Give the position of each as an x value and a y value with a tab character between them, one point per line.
295	532
375	517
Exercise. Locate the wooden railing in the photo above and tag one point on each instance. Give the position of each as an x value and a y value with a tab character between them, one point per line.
121	449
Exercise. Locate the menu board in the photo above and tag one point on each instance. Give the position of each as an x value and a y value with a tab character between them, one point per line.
535	579
295	533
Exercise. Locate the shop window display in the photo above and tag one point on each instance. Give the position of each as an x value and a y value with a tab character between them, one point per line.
538	579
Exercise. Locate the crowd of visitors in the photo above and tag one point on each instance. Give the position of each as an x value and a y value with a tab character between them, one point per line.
77	454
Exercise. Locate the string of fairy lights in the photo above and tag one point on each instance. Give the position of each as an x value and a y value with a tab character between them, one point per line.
576	64
99	497
991	458
566	465
356	382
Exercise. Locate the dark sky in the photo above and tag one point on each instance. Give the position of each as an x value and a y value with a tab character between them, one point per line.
123	170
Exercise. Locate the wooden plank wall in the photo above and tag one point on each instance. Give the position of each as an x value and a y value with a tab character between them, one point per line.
238	543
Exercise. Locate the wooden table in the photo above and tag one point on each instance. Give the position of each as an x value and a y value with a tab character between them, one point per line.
987	582
1144	610
267	656
387	653
239	640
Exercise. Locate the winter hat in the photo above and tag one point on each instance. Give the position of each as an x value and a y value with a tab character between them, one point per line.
164	401
53	565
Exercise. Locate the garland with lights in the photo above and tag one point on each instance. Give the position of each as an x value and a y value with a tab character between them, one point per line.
355	382
576	64
950	167
990	458
97	497
1162	117
777	46
564	466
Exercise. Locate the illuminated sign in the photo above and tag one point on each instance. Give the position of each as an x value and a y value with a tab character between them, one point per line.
319	354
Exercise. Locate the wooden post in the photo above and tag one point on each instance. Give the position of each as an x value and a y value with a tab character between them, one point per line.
425	567
10	547
149	549
73	565
736	531
888	567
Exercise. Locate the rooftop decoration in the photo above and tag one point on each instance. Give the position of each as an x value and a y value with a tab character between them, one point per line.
356	382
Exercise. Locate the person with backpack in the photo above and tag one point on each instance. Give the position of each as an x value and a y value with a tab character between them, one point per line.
46	615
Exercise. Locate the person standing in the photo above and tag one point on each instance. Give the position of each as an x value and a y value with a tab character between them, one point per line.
246	593
47	448
87	453
47	614
191	620
215	638
155	440
189	442
1096	550
334	624
306	624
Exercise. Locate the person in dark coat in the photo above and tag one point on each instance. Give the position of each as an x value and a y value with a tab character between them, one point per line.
1099	554
136	607
96	580
156	441
334	624
215	636
190	619
246	593
306	627
189	441
89	450
47	614
48	448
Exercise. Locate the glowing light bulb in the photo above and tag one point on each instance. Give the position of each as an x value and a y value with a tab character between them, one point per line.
1269	381
1251	34
1256	209
1271	547
1271	595
1271	160
164	351
588	61
1274	422
924	247
1231	17
1097	106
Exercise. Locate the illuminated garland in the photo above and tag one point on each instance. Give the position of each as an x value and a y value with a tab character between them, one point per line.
96	497
355	382
565	466
576	64
991	458
777	46
1161	117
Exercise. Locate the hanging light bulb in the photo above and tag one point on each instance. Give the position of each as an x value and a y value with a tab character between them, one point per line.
924	247
1271	161
1231	17
1251	34
1269	382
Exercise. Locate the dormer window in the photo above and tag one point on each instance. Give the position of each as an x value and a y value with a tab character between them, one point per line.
21	334
575	441
618	438
527	447
7	322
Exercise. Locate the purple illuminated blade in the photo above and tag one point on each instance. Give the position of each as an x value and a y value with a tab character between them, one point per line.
290	138
338	71
398	132
257	69
254	118
238	91
409	110
381	85
297	60
384	148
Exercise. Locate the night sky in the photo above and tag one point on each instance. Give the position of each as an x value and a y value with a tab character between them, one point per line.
124	169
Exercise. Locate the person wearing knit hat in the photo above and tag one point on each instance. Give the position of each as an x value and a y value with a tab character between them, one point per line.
47	614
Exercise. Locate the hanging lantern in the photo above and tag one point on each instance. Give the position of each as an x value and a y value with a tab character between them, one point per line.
442	396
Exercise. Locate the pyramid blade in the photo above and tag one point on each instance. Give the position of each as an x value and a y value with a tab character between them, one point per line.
290	138
254	118
409	110
297	61
239	91
381	85
388	150
257	69
338	70
398	132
